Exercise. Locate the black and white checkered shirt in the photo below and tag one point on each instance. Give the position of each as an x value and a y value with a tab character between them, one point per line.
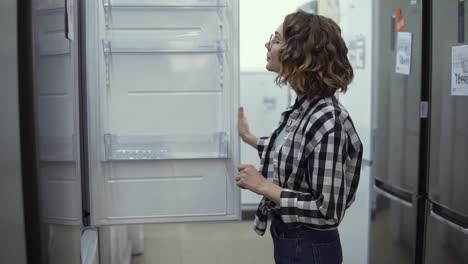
318	165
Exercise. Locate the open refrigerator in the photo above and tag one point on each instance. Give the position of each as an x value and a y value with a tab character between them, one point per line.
135	116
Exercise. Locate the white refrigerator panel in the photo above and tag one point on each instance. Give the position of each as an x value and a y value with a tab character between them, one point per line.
162	90
56	109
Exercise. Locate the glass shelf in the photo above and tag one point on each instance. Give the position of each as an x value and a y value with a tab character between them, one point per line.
163	147
164	3
135	46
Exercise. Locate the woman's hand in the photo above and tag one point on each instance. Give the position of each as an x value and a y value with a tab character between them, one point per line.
249	178
244	129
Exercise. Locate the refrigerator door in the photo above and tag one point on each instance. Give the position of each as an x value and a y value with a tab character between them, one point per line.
449	124
56	99
57	128
398	96
393	229
446	239
162	84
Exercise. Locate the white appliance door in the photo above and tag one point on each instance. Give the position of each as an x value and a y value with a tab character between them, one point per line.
162	85
56	100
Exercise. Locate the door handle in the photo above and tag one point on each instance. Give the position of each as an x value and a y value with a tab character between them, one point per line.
446	221
392	31
393	197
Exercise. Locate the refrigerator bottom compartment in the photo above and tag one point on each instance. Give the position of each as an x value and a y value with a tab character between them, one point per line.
446	242
393	230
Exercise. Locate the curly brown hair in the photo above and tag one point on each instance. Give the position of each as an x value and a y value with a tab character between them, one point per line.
314	56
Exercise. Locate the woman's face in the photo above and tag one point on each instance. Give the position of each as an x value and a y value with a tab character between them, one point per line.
273	46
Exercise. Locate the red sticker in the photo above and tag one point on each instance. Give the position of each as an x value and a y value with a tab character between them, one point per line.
400	20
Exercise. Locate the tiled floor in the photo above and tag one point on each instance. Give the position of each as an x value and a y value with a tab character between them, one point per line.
208	242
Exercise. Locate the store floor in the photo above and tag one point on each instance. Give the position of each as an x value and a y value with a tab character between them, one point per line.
207	242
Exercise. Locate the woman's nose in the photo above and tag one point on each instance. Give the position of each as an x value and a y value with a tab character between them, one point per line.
267	45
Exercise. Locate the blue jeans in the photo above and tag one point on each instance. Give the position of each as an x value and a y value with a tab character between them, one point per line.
301	245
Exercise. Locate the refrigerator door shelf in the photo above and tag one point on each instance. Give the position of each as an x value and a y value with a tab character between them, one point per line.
50	33
160	147
446	241
48	5
52	20
58	149
164	3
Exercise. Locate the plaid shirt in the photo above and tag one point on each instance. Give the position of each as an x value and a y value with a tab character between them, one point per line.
318	165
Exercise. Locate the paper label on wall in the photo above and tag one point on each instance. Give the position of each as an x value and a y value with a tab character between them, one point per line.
414	2
403	54
357	51
460	70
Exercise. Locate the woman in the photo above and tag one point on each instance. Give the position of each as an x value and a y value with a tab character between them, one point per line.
313	156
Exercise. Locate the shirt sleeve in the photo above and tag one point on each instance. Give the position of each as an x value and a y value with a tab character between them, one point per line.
324	207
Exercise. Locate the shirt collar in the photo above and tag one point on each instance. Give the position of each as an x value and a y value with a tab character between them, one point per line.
302	103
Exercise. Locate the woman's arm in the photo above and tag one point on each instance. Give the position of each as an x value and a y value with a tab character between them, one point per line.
251	179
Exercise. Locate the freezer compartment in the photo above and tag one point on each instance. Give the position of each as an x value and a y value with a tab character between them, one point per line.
446	236
393	229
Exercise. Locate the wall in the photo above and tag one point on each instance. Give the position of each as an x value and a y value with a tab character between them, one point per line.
12	247
254	32
262	99
355	20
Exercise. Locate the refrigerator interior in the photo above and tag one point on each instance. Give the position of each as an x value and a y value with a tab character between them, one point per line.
161	83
